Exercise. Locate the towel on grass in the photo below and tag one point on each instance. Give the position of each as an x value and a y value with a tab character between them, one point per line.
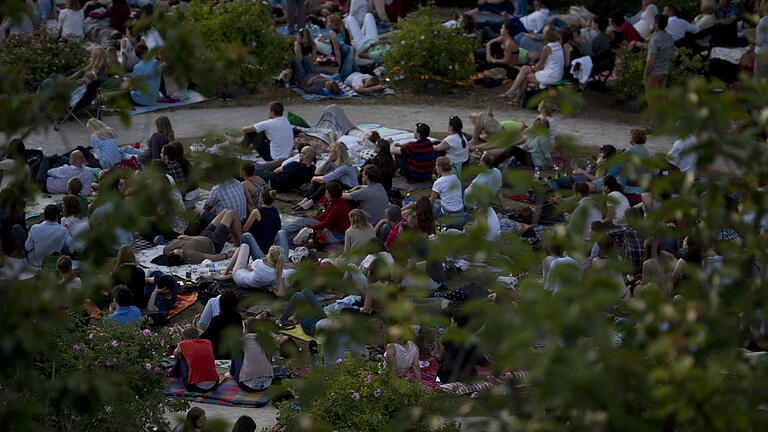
193	97
228	393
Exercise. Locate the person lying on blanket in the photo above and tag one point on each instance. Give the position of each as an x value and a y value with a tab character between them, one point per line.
310	80
363	83
194	249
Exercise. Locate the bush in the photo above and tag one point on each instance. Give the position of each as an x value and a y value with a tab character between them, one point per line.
423	49
354	395
35	56
243	27
125	358
631	64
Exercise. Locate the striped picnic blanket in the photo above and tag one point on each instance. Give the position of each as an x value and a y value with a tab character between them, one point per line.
484	381
228	393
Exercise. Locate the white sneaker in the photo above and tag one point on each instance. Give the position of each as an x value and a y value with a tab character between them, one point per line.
303	235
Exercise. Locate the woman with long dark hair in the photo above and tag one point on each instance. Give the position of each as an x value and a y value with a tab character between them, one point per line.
162	136
454	146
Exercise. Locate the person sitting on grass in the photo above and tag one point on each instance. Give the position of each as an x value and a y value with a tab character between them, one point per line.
67	278
403	357
456	362
228	319
331	223
208	245
253	369
160	291
392	217
148	71
46	238
416	160
123	310
195	363
194	422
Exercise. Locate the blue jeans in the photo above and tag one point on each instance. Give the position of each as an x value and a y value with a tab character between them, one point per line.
347	63
308	310
181	368
255	250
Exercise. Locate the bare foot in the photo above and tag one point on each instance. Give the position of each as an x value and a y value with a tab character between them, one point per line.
229	138
220	276
503	95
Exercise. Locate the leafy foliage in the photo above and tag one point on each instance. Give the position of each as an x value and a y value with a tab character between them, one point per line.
424	50
241	28
631	64
35	56
357	395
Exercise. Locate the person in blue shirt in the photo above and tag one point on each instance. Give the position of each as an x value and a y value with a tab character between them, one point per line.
149	72
160	291
126	313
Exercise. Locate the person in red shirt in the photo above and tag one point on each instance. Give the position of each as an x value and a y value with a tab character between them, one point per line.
118	13
195	363
331	223
416	160
619	25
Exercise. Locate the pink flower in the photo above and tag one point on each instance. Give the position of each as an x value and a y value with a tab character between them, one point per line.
76	347
90	336
148	366
157	369
377	393
114	343
332	395
146	332
367	379
353	394
338	361
109	363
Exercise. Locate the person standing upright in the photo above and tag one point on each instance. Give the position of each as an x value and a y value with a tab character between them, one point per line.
660	50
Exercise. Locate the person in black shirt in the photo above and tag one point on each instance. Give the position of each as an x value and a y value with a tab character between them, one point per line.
294	174
227	321
456	361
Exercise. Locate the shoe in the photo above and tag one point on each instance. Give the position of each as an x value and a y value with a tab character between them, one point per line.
229	375
302	236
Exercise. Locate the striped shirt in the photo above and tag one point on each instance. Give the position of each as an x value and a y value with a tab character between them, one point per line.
421	159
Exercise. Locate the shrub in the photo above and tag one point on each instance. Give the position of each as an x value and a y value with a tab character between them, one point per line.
37	55
353	394
241	27
424	49
125	358
631	64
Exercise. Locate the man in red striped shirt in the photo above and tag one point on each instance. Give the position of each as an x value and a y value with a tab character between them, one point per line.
416	159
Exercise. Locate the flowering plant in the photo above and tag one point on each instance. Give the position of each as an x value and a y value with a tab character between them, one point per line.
424	49
125	357
35	56
356	395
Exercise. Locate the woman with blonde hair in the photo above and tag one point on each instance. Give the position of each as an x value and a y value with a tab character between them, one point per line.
548	70
265	273
338	167
104	143
98	65
162	136
360	232
705	20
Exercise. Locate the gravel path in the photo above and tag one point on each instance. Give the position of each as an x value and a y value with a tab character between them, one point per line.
200	120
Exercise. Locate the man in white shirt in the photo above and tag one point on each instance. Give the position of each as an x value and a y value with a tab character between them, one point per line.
363	83
677	27
531	23
273	138
57	180
681	156
586	211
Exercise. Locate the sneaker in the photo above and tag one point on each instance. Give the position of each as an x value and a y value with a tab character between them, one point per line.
302	236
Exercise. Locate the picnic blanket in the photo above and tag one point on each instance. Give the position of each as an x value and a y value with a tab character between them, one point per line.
183	301
346	93
193	97
298	333
228	393
485	379
144	259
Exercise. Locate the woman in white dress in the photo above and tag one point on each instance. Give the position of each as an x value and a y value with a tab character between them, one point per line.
548	70
647	18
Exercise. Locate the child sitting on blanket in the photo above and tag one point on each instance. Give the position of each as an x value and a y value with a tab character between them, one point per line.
195	363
